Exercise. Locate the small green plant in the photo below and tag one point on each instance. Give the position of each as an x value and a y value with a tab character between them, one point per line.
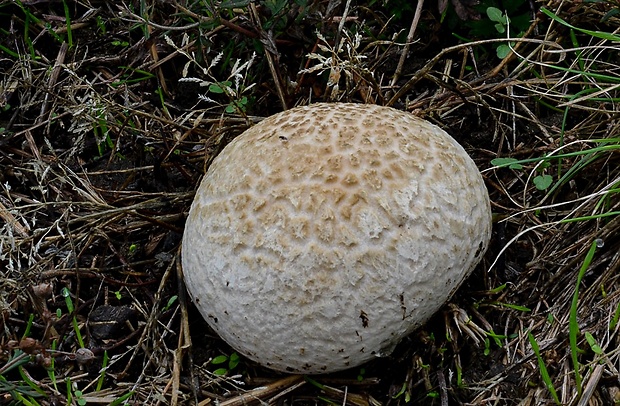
74	394
9	52
501	21
542	181
70	308
432	394
235	106
487	346
102	133
360	376
228	363
118	43
497	338
593	343
101	25
403	392
459	372
171	301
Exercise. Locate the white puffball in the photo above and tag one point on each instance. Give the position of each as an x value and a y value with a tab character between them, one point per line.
323	235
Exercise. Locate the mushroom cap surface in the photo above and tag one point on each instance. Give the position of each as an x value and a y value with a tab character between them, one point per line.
323	235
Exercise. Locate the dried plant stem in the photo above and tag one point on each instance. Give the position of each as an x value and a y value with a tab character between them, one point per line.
410	36
259	394
270	48
60	60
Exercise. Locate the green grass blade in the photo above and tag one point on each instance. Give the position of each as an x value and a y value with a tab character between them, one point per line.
71	309
592	217
615	319
609	145
35	389
28	326
543	368
9	52
68	23
597	34
104	365
573	331
122	399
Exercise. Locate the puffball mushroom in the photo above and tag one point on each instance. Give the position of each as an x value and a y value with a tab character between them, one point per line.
323	235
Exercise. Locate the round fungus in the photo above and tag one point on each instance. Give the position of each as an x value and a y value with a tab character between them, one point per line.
323	235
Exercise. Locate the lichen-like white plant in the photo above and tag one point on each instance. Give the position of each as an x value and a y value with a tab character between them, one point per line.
343	58
234	86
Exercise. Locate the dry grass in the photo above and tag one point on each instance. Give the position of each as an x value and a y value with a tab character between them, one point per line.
109	119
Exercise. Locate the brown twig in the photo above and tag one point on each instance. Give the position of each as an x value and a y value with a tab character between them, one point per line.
410	36
270	52
259	394
60	59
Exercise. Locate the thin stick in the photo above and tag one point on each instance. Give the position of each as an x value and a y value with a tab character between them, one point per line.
345	13
60	60
258	393
272	67
410	36
591	385
6	215
185	338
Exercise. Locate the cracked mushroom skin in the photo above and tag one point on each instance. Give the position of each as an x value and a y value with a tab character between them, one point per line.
323	235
